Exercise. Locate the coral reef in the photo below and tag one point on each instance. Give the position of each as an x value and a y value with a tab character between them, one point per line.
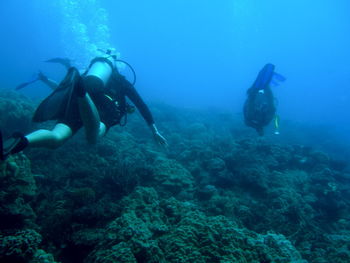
15	112
19	246
154	230
17	189
217	194
19	237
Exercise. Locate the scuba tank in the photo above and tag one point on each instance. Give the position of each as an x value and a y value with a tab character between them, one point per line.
101	70
98	73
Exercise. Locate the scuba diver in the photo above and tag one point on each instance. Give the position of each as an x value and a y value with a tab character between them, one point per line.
259	108
95	100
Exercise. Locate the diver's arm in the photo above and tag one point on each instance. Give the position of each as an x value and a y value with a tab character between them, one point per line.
49	82
136	99
133	95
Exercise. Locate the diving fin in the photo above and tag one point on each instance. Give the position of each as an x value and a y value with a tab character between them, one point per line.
274	83
16	143
25	84
278	77
38	76
63	61
58	103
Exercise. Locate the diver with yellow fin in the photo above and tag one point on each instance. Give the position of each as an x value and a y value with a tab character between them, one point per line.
259	108
95	100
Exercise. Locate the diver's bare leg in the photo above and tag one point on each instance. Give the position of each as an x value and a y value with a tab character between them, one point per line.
94	128
50	139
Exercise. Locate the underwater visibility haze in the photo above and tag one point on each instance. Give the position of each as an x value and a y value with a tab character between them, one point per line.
197	53
219	192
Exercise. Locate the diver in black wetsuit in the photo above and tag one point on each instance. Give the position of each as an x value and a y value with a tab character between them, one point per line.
95	100
259	108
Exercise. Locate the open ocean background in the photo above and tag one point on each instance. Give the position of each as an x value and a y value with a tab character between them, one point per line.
195	53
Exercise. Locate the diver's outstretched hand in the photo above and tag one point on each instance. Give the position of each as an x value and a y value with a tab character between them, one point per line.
157	136
160	139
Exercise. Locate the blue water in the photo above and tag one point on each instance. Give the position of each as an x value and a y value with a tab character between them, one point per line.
194	53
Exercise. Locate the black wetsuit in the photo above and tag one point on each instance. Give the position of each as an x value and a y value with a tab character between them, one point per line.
111	104
118	89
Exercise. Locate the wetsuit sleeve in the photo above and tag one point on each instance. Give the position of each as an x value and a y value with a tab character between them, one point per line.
136	99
